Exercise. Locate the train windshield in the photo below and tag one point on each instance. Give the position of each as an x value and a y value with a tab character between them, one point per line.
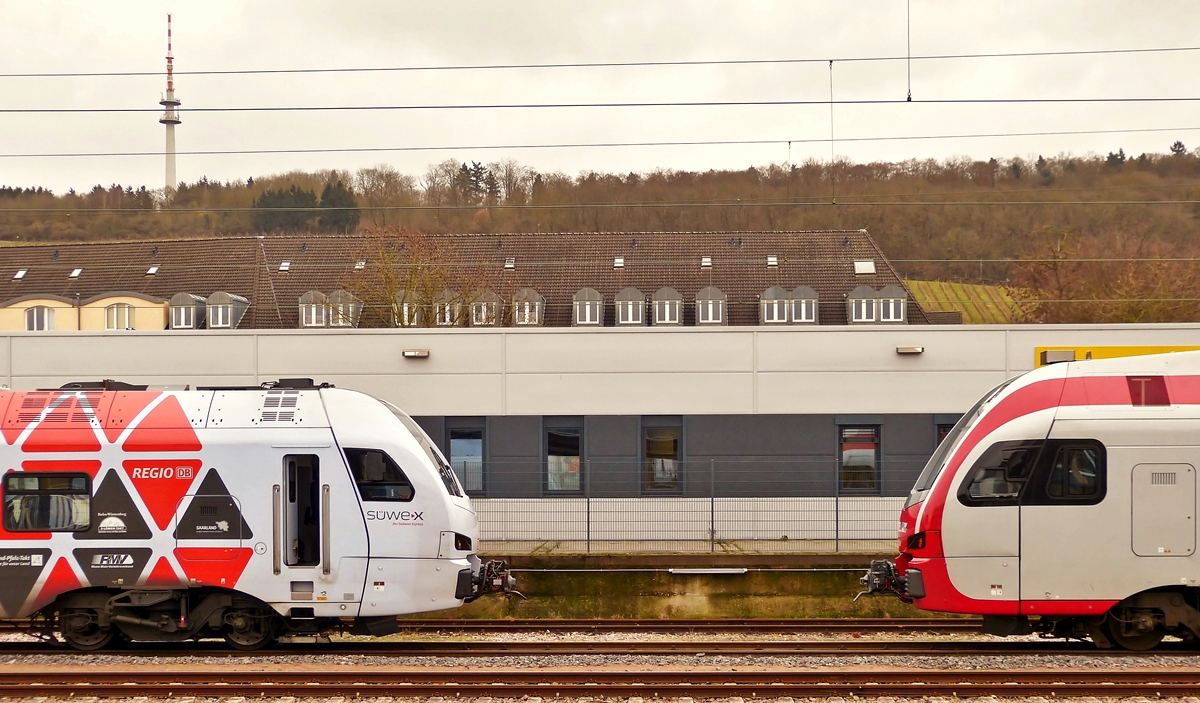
938	461
435	454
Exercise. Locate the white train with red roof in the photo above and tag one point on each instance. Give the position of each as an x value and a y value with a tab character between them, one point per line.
1064	502
254	514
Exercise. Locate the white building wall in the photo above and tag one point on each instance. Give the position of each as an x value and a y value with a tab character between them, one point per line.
572	371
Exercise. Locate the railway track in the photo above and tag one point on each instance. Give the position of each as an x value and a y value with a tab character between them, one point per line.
702	683
561	648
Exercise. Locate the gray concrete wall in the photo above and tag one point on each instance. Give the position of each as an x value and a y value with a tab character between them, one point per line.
566	371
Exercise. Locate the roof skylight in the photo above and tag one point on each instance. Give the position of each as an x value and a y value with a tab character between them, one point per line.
75	273
706	262
152	270
864	268
510	262
619	262
772	260
285	266
20	274
360	264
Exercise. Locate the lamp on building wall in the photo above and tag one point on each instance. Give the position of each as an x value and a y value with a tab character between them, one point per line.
415	353
910	350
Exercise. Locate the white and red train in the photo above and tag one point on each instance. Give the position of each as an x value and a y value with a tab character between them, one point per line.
1064	502
253	514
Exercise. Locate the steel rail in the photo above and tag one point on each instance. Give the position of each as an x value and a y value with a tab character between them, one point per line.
688	626
692	683
692	648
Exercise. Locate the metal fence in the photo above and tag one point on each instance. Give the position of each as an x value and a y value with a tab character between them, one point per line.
715	506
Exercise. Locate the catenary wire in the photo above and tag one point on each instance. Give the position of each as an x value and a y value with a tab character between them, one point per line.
611	64
593	145
596	105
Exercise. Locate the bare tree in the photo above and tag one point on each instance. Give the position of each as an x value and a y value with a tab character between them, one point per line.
405	273
383	187
514	181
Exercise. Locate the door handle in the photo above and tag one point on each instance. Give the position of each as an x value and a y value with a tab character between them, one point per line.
325	565
276	509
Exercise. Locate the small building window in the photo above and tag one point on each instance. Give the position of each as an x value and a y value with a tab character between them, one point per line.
446	314
631	307
661	471
378	476
710	306
410	314
564	459
588	308
183	317
220	316
314	309
863	310
859	459
39	318
466	458
774	312
804	311
527	308
118	316
485	313
891	310
943	431
668	306
57	502
344	309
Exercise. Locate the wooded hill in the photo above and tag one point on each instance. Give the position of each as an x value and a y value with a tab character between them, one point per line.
1074	238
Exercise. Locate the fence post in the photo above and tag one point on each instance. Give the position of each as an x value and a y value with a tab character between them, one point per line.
587	495
837	523
712	506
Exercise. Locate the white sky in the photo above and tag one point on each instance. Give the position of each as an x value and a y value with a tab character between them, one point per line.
44	36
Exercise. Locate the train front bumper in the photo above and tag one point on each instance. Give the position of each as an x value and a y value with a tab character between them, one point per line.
885	577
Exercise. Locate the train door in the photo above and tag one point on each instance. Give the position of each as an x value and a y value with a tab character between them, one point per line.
1067	527
321	565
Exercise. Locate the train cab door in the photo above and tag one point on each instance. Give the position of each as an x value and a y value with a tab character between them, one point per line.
1067	527
322	566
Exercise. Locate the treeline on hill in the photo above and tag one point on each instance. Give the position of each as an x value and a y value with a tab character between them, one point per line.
1035	225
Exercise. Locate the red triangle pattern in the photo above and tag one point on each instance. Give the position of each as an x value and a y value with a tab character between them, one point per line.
17	416
60	580
213	566
91	467
163	575
165	429
125	407
162	483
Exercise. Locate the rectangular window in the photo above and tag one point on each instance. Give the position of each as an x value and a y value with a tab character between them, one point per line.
587	312
804	311
39	319
1076	474
666	312
774	311
526	313
629	312
446	314
118	317
563	459
183	318
58	502
942	432
661	470
408	314
709	312
341	315
863	310
466	457
219	316
302	516
312	315
484	313
859	460
891	310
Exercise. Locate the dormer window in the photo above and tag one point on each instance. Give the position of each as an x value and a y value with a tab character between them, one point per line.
446	309
861	305
187	311
773	306
225	310
344	309
631	307
668	307
485	310
892	300
527	308
804	306
118	316
314	309
588	308
710	306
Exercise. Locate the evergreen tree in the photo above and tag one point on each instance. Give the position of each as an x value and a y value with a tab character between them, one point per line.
1178	149
343	214
290	210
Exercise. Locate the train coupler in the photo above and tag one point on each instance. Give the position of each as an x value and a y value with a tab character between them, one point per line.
883	577
491	577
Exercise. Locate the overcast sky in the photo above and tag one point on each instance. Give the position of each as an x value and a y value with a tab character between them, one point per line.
45	36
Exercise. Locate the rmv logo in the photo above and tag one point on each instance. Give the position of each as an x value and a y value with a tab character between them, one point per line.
183	472
112	560
401	515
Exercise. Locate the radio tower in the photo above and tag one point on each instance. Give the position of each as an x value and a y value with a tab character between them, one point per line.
170	118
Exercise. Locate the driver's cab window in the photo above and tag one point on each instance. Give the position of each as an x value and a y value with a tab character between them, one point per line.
1075	474
379	478
999	473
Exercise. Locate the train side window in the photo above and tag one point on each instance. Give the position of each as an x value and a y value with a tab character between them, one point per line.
999	474
1071	472
57	502
379	478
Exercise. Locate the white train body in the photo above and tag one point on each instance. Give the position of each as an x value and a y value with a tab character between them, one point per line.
1068	495
322	505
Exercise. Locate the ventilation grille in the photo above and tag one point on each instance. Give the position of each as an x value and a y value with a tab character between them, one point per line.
278	416
276	404
1162	478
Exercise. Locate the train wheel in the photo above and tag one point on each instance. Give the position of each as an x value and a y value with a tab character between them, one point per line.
81	631
1133	630
250	629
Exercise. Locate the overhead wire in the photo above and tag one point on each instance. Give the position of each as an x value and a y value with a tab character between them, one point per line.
607	64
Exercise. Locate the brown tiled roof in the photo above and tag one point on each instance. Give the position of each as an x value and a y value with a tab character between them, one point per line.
556	265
